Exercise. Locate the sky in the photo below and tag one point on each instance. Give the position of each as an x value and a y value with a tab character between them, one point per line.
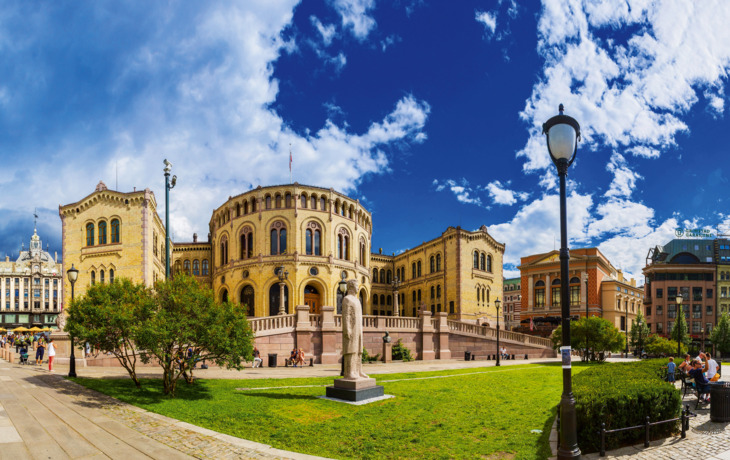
428	112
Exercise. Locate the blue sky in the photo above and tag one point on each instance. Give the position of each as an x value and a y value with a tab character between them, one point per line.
428	112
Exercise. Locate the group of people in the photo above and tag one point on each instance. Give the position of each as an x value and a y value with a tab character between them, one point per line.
24	343
297	357
703	370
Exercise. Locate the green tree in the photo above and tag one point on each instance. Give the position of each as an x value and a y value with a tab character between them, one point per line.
639	332
720	335
680	332
657	345
593	334
108	316
187	325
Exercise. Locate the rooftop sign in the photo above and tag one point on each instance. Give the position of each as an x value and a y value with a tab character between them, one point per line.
692	233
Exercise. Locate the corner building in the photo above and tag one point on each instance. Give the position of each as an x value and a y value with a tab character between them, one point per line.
291	241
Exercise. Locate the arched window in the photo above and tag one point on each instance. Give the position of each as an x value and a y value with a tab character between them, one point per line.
540	294
433	292
246	243
432	264
313	199
363	252
489	264
413	270
278	200
479	294
382	276
186	267
343	244
313	239
253	204
102	232
224	251
90	235
389	277
93	277
375	275
476	260
268	201
482	259
382	299
247	300
224	296
487	295
418	264
323	204
574	291
278	238
375	300
196	267
287	200
555	293
101	276
414	297
111	275
205	267
438	291
238	209
245	207
304	200
115	230
438	262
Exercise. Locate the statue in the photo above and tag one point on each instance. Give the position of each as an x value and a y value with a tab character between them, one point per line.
61	321
352	342
386	337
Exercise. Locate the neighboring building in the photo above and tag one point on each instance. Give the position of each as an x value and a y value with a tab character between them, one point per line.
512	302
315	235
596	288
685	267
722	258
30	288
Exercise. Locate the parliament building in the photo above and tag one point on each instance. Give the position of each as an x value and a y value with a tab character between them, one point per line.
292	240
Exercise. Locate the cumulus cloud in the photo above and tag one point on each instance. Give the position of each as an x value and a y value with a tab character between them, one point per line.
327	32
356	16
501	195
488	20
624	179
463	192
195	86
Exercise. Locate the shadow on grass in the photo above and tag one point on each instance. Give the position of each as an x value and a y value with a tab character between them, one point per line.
287	396
544	442
151	392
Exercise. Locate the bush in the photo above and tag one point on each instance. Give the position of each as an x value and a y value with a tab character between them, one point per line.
368	358
622	395
401	352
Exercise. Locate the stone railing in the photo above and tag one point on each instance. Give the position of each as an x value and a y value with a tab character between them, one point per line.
315	320
271	323
490	332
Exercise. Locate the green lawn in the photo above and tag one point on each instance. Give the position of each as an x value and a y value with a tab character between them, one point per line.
473	413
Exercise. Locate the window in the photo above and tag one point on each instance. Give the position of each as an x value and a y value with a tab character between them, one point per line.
205	267
278	201
268	201
93	278
224	251
672	293
111	275
389	277
709	293
418	265
696	311
313	237
696	325
574	291
278	238
648	311
659	293
476	260
659	310
313	199
659	328
102	232
414	297
382	276
323	204
708	328
343	244
708	311
482	261
696	293
375	300
555	293
304	201
115	231
540	294
413	270
432	264
89	234
246	243
438	262
438	291
287	200
186	267
489	264
375	275
433	292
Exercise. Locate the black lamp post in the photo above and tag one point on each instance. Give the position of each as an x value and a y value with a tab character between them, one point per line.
563	134
679	312
626	327
498	303
73	275
169	185
638	323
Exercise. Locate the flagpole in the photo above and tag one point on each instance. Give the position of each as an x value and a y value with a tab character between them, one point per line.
290	160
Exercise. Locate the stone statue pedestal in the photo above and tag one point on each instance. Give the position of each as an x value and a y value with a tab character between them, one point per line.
355	390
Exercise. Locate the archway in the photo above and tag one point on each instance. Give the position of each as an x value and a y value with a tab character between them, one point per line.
362	300
224	296
312	299
247	300
274	299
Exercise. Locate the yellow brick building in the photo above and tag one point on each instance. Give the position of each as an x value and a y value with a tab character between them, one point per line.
292	239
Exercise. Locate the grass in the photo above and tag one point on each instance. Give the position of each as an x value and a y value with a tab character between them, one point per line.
467	413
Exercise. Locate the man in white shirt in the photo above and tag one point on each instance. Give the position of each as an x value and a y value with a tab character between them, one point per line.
711	367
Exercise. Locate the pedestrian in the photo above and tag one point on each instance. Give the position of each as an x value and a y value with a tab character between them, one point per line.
712	374
41	347
51	355
257	361
671	368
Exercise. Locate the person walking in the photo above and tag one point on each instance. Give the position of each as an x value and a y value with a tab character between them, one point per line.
51	355
40	348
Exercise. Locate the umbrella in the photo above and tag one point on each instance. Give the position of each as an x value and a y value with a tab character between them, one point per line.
20	329
35	329
46	329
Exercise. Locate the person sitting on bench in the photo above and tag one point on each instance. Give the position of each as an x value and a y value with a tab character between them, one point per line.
697	373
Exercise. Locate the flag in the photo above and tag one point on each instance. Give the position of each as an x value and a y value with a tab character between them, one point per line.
532	325
290	159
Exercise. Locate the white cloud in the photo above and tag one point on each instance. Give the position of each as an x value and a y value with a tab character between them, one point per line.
356	16
624	179
388	41
327	32
501	195
488	20
461	190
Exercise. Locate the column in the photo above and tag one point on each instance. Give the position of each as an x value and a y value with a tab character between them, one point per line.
282	305
330	353
443	336
530	293
584	290
548	292
396	308
427	349
304	330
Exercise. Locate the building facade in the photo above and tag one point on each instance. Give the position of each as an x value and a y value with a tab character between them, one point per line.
512	302
596	288
722	258
30	288
686	268
273	248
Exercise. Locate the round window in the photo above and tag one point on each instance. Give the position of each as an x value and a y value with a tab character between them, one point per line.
245	274
313	271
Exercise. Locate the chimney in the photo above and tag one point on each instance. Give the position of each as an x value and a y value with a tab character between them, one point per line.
55	256
195	237
208	237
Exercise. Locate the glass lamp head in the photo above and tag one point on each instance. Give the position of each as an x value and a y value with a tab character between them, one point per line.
563	134
73	274
342	286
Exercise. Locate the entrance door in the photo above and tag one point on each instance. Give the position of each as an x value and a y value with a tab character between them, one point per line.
312	299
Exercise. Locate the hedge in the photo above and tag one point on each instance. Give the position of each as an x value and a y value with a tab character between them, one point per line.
622	395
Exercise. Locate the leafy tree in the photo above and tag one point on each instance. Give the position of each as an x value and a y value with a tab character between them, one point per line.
680	332
720	335
187	325
593	334
657	345
639	332
108	316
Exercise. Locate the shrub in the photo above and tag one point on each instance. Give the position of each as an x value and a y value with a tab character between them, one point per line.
401	352
622	395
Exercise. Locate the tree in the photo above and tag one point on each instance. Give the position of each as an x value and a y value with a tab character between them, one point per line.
639	332
108	316
656	345
187	325
680	332
720	336
593	334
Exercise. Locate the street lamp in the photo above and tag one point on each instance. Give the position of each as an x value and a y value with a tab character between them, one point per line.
283	276
169	185
679	312
563	134
702	345
73	275
638	323
498	303
396	284
626	326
